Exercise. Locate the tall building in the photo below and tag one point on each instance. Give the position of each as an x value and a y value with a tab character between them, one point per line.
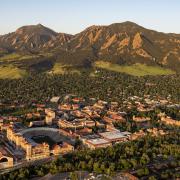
50	116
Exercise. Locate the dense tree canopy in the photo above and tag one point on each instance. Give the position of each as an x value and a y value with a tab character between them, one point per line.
105	85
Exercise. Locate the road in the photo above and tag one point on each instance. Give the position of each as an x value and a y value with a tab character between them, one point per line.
28	163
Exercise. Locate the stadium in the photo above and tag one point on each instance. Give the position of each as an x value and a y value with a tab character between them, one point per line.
40	135
39	142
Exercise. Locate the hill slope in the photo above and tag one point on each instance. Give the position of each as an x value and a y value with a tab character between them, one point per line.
31	38
128	43
37	47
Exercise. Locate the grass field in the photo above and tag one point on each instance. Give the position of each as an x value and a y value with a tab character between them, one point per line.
62	69
135	69
16	56
11	72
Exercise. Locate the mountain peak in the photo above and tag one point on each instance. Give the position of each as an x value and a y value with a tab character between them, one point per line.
38	29
30	37
127	24
32	27
40	25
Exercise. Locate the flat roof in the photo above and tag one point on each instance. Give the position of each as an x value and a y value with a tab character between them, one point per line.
55	99
126	133
91	136
98	141
114	135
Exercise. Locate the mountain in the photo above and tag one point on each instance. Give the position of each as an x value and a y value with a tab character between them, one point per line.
31	38
58	41
128	43
124	44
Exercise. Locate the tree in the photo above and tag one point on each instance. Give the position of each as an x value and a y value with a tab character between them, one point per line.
96	167
144	159
73	176
133	162
151	178
142	172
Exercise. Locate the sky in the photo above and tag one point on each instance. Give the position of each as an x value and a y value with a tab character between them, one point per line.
73	16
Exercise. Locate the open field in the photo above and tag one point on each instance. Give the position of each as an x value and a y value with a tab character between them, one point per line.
135	69
62	69
11	72
16	56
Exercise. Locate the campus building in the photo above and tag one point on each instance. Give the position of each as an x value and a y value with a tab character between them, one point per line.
33	150
97	143
115	136
6	160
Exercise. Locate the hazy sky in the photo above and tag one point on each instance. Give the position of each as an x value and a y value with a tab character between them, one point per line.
72	16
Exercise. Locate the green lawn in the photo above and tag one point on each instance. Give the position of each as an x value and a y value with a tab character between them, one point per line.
11	72
61	69
16	56
135	69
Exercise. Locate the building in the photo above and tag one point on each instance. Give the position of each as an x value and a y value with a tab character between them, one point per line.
55	99
77	123
78	114
115	136
69	133
141	119
50	116
37	151
110	127
6	160
98	106
170	121
97	143
32	149
137	135
156	132
62	123
125	176
33	115
114	105
4	127
89	123
83	132
65	107
111	118
62	148
75	106
88	110
77	100
1	119
36	123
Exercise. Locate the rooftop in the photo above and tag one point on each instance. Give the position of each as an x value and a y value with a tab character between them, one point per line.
114	135
97	141
55	99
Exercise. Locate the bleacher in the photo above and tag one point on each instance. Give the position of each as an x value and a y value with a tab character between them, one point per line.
43	131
